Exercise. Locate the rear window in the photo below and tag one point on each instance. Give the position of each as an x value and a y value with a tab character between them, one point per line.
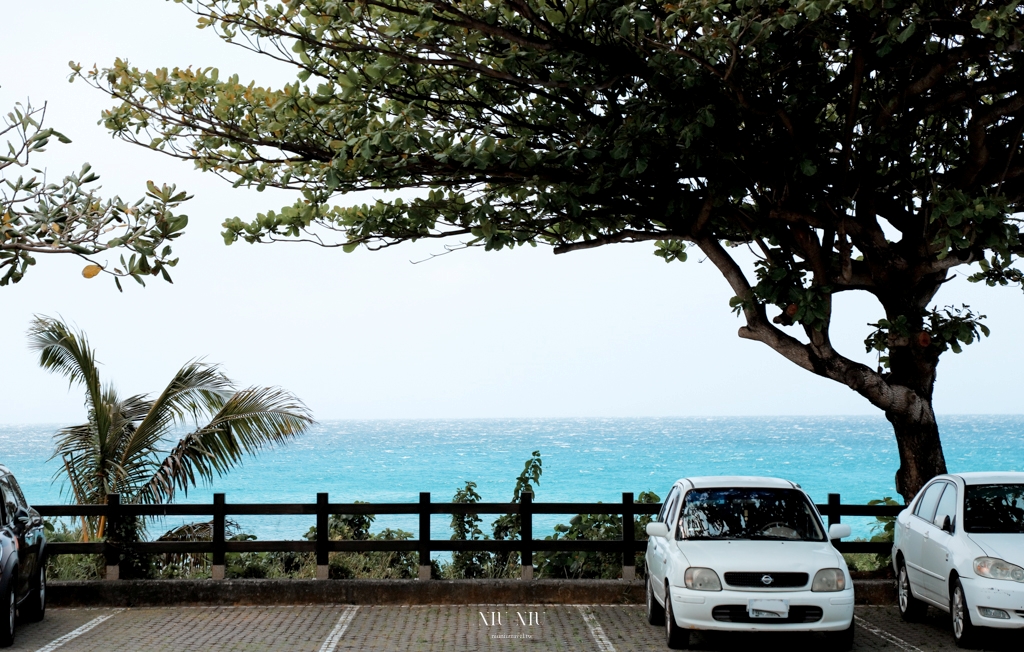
744	513
995	508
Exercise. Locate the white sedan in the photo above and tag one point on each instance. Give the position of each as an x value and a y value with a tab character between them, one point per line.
746	554
959	546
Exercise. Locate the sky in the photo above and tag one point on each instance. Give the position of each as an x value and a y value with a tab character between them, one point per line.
609	332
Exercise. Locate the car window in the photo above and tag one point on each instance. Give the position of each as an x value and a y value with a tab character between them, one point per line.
926	506
750	513
668	505
20	497
947	506
997	508
10	502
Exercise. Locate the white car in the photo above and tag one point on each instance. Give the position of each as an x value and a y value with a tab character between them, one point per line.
959	546
746	554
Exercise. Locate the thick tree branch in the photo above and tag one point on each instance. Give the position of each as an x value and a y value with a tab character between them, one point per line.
621	236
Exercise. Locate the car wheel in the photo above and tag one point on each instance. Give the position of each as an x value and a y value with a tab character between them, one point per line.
964	631
655	612
911	609
676	638
10	608
35	603
841	641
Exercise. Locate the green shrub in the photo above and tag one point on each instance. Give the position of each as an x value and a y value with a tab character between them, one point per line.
71	567
599	527
883	531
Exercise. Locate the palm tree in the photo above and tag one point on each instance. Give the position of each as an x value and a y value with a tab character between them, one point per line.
125	447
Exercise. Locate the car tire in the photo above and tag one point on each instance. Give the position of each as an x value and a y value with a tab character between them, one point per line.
34	606
655	612
841	641
912	610
964	631
8	606
676	638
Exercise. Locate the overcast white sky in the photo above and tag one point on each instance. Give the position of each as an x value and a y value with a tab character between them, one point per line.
607	332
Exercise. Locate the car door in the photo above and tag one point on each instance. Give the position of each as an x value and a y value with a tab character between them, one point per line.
26	556
8	542
935	549
658	547
918	525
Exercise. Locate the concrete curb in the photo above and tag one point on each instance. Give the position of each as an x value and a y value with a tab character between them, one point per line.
162	593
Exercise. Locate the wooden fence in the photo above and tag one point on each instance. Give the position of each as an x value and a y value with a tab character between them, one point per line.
322	546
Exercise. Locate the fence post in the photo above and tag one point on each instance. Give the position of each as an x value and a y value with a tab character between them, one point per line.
628	537
526	533
112	551
424	535
219	516
323	537
833	510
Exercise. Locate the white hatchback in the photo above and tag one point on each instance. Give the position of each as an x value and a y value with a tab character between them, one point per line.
959	546
746	554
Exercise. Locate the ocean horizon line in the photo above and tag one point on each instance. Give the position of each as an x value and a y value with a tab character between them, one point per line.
878	415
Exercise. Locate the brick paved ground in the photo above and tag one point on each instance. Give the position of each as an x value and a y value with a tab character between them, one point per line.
511	628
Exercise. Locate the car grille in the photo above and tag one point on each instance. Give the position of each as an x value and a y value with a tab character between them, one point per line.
778	580
737	613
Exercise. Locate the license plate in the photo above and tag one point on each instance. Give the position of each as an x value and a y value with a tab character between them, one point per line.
768	609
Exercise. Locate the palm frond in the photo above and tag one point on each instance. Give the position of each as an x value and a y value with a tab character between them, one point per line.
191	532
65	351
247	422
196	392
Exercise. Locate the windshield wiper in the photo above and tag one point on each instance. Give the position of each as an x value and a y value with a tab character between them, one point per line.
726	537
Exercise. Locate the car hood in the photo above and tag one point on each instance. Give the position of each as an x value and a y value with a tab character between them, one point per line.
761	556
1004	546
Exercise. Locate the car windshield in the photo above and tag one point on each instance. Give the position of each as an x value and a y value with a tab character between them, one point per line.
742	513
995	508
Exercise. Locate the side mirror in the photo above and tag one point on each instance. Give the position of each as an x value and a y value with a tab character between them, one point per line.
22	518
838	531
657	530
946	525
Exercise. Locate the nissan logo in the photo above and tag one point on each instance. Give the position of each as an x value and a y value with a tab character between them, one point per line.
767	580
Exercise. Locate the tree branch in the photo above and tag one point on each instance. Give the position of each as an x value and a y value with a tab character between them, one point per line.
621	236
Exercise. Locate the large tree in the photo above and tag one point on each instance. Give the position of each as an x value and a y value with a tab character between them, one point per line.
851	145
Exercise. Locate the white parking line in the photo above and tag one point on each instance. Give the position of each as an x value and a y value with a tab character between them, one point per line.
78	632
339	629
604	644
884	635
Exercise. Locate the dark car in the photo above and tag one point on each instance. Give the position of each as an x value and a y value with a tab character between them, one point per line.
22	559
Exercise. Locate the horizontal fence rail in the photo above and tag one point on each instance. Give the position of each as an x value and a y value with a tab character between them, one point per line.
322	546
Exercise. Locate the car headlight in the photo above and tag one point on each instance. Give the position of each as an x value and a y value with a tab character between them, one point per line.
998	569
829	579
702	579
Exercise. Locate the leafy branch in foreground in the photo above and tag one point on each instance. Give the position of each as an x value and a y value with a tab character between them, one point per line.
39	217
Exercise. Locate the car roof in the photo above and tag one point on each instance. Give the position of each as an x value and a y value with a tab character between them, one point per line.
726	481
991	477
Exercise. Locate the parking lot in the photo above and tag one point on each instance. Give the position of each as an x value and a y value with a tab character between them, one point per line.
326	628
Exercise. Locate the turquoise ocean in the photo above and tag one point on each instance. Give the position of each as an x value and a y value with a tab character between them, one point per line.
585	459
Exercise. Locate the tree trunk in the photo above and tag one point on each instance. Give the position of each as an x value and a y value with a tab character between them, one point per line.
917	437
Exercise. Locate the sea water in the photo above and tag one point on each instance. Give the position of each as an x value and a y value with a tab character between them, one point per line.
585	459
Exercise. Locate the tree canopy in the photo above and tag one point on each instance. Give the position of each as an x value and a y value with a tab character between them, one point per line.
850	145
69	217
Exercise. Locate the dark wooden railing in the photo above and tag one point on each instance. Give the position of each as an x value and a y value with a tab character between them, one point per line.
322	546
